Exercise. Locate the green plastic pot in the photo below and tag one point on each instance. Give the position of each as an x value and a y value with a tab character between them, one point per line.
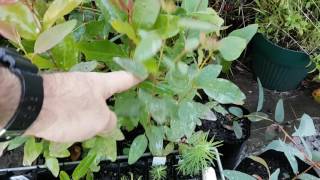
278	68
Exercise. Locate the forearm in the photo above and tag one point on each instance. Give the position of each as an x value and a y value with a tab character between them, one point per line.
10	92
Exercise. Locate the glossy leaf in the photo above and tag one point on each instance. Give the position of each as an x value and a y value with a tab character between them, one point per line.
207	74
236	175
134	67
231	47
57	9
237	129
20	16
224	91
66	54
305	176
84	166
145	13
150	44
155	136
9	31
17	142
32	150
261	96
236	111
261	161
85	66
125	28
257	116
137	148
53	165
279	112
194	24
63	176
53	36
40	62
275	174
246	33
100	50
109	10
306	127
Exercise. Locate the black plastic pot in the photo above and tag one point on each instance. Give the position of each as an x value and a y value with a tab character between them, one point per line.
275	160
232	147
278	68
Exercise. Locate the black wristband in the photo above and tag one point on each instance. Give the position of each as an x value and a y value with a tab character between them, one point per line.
31	94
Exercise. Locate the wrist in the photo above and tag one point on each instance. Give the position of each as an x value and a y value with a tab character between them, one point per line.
10	93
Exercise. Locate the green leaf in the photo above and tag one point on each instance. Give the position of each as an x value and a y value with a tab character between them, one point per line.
145	13
167	26
100	50
125	28
279	113
208	74
262	162
59	150
194	5
155	136
236	175
148	47
115	134
257	116
236	111
84	66
31	151
261	96
306	176
58	9
89	176
3	146
306	127
53	36
246	33
231	47
168	149
53	166
178	78
63	176
137	148
17	142
84	166
315	156
275	174
66	54
40	62
20	16
109	10
194	24
237	129
224	91
136	68
95	30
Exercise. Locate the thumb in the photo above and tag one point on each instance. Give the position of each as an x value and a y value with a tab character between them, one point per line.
116	82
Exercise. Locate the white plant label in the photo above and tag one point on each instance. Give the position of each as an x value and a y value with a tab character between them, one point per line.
157	161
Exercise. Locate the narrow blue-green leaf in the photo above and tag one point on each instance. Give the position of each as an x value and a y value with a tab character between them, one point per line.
53	36
306	127
137	148
261	96
279	113
136	68
84	166
237	175
275	175
236	111
237	129
257	116
306	176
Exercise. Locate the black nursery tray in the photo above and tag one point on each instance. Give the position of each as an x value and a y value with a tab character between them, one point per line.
109	170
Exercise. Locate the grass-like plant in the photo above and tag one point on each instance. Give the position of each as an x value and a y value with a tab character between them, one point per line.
158	172
197	154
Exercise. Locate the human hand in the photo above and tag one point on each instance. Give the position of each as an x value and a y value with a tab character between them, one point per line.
74	107
2	2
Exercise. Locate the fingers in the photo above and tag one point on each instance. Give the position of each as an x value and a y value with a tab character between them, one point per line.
2	2
112	122
116	82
